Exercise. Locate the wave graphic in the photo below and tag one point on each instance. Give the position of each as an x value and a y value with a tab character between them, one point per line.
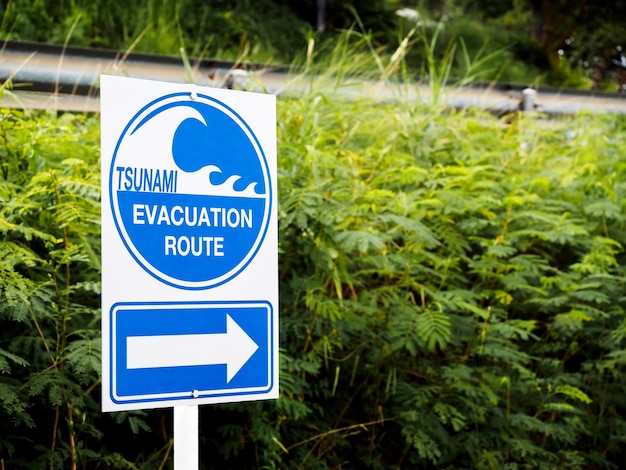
222	148
202	179
212	154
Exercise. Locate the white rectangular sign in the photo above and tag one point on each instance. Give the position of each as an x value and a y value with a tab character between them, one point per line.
189	245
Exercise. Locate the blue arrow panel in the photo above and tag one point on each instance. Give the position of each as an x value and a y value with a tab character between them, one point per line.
181	318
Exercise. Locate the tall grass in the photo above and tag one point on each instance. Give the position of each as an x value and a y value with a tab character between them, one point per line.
262	31
353	65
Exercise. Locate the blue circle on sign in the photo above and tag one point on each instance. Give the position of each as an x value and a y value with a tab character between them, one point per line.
190	191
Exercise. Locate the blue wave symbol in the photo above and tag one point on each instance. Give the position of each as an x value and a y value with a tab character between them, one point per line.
222	144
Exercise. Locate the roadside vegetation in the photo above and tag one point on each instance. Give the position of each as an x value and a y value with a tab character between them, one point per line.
451	286
564	43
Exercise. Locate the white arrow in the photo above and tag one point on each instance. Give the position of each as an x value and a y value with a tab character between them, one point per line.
233	348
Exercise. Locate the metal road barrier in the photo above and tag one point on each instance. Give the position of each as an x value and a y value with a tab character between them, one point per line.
46	76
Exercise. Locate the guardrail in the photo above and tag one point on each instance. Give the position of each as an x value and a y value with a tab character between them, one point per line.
47	76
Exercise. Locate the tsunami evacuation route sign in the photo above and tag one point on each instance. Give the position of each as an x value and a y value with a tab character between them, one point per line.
188	245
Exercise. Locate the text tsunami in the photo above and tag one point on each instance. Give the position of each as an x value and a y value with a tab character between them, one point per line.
153	180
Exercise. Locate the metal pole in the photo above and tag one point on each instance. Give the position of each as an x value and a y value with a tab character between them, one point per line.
321	15
186	437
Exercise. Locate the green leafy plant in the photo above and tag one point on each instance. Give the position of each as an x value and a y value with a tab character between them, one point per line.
452	291
50	294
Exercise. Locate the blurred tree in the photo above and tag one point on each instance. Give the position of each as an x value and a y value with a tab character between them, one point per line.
579	37
329	15
583	35
581	30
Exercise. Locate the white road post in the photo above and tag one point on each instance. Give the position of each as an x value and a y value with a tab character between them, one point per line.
186	437
528	99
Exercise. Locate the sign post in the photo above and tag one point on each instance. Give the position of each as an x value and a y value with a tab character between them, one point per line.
186	437
189	249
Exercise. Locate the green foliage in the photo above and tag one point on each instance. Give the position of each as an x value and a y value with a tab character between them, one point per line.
451	290
495	34
455	283
223	29
50	294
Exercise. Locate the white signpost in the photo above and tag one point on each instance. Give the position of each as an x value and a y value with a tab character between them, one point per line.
189	250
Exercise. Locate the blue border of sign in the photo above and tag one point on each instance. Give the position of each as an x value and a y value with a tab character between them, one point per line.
186	395
233	273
